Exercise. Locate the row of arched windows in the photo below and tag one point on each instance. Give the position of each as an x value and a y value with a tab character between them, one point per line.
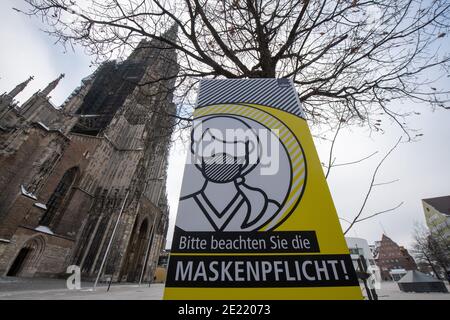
60	197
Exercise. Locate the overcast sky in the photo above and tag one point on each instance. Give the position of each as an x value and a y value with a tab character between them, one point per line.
422	167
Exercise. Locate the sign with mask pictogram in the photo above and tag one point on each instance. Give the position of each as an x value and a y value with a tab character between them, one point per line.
255	218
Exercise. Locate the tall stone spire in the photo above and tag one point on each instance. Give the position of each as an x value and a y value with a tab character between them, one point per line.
146	47
171	33
19	88
52	85
32	106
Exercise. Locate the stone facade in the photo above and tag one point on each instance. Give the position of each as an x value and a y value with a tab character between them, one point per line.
68	174
389	255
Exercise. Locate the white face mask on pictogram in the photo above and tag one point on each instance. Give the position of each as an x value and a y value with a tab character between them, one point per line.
224	156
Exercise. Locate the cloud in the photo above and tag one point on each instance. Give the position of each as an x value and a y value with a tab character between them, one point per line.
421	167
26	50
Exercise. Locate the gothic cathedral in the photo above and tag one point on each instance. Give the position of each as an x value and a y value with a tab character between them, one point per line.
75	177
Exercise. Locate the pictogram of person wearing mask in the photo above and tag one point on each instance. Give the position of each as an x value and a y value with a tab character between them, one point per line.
225	149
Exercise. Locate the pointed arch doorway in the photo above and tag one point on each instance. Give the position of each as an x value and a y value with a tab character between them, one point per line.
27	259
136	252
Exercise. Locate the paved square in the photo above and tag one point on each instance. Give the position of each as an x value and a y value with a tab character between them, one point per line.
55	289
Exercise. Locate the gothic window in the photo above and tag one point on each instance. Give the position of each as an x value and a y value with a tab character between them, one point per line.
59	196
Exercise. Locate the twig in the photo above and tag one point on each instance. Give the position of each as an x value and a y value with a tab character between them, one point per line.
356	218
380	212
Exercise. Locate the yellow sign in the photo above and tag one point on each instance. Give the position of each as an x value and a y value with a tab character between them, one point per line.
256	219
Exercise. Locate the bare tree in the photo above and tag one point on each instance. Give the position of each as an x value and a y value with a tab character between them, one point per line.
345	56
360	216
350	60
432	249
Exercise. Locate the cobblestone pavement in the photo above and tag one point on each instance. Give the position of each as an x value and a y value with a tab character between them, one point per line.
55	289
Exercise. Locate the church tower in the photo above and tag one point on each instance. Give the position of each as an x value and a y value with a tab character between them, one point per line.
7	99
33	106
129	106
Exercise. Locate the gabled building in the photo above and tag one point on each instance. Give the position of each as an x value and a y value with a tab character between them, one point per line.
437	215
390	257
